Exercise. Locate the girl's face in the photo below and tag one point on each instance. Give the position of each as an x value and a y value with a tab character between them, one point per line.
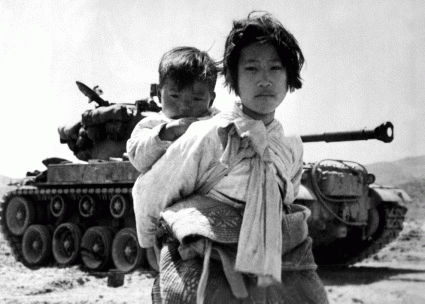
262	80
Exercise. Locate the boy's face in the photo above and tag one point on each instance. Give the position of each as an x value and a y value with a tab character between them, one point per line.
262	79
193	100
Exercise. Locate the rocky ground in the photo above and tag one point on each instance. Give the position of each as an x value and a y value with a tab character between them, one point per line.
394	275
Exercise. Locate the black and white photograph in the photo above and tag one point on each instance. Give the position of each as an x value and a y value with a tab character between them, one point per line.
238	151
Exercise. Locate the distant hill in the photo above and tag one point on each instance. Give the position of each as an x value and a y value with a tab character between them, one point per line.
4	180
398	172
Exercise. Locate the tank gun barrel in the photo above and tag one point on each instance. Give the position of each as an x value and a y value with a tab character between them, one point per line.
383	132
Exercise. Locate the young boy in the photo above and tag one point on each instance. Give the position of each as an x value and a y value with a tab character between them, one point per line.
187	78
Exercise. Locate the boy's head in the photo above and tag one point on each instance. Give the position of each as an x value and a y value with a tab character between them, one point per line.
187	78
262	29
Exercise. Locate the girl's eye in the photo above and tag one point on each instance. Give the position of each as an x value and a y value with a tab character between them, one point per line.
250	68
277	67
174	96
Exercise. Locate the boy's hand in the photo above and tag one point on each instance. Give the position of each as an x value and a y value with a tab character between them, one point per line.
173	130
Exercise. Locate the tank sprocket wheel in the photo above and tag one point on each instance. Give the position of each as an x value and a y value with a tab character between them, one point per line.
119	206
66	243
19	215
127	255
151	257
96	247
36	245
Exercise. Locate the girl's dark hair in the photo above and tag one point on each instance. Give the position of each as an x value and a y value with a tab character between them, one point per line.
185	65
262	28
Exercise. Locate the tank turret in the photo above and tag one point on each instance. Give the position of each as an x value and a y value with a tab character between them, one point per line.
352	218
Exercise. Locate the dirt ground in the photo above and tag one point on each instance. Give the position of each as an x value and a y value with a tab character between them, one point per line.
394	275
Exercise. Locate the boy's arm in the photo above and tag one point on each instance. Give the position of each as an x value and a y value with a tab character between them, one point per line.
144	147
171	178
147	144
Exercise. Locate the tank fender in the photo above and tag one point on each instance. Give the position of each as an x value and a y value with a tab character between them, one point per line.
305	194
387	194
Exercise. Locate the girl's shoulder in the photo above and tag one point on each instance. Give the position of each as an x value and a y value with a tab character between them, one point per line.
288	141
208	127
293	140
204	131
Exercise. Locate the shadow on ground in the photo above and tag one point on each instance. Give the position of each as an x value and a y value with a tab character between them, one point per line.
367	275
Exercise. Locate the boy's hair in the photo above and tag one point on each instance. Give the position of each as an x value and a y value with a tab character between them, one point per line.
262	29
185	65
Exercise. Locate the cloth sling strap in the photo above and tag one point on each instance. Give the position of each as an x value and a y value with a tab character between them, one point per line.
234	278
216	173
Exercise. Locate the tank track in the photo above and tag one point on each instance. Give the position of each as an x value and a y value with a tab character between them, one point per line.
347	252
42	196
340	254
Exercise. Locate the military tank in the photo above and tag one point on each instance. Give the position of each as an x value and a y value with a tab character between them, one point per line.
81	213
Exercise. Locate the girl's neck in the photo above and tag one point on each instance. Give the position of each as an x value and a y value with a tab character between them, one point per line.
266	118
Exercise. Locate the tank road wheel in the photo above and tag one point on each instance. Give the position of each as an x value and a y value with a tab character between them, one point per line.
87	206
119	206
57	206
127	255
96	247
151	257
36	245
19	215
66	243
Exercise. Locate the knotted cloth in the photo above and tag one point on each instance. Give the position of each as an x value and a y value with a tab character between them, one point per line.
260	240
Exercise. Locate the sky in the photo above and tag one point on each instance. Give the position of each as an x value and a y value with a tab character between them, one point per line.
364	66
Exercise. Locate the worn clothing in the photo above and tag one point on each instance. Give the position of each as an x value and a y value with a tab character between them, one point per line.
144	147
178	280
186	163
199	216
261	182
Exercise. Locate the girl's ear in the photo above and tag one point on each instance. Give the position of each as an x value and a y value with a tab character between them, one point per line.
212	100
158	93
